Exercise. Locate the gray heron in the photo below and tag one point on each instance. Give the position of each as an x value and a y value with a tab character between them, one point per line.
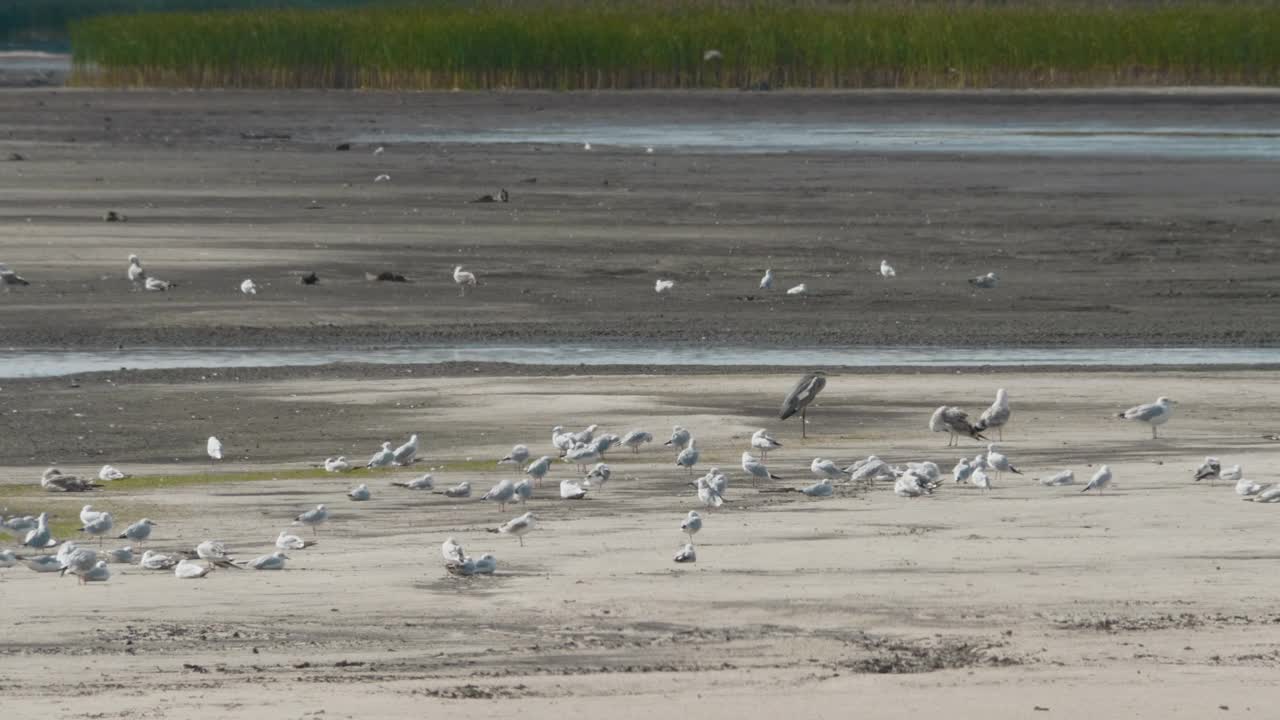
798	400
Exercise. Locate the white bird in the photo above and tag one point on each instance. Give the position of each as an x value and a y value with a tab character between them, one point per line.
688	457
425	482
88	514
274	561
585	436
822	488
8	559
406	453
19	523
571	490
1232	474
43	563
136	273
708	495
539	469
1246	487
798	290
679	438
886	270
98	525
662	286
997	415
383	457
123	555
756	469
486	564
582	455
870	470
155	284
108	473
1154	414
359	493
1100	479
40	537
461	490
463	279
1065	477
191	570
379	150
766	282
519	526
962	470
336	465
152	560
382	177
1000	462
78	562
824	468
955	422
691	525
523	490
586	146
9	278
910	485
517	456
137	532
314	518
686	554
98	573
598	476
214	448
979	478
635	439
214	551
452	551
249	287
285	541
985	282
501	494
1209	470
764	442
1269	495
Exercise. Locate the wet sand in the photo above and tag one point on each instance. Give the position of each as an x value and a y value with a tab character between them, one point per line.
221	186
1153	600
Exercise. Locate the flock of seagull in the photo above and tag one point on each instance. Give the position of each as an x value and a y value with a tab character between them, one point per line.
586	450
984	282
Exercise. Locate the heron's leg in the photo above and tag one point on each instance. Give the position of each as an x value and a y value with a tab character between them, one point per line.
1000	432
803	421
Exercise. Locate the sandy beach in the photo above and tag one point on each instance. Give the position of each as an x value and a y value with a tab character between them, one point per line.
1152	600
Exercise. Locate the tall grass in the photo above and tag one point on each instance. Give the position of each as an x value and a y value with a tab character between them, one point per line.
600	46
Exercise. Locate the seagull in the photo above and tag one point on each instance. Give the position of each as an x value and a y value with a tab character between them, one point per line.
524	490
18	523
766	282
137	275
190	570
463	280
43	563
871	469
123	555
88	514
1000	462
108	473
1245	487
571	490
461	490
54	481
155	284
98	525
886	270
137	532
995	416
314	518
382	177
452	551
756	469
663	286
78	561
518	526
822	488
405	454
800	397
383	457
1154	414
359	493
798	290
1065	477
686	554
1208	470
379	150
249	287
215	551
691	525
1100	479
539	469
285	541
585	436
152	560
501	494
679	438
709	495
979	478
98	573
517	456
911	485
214	448
962	470
764	442
40	537
582	455
338	464
955	422
985	282
463	566
8	559
826	469
635	439
274	561
9	278
586	146
598	476
1233	474
426	482
486	565
688	457
1269	495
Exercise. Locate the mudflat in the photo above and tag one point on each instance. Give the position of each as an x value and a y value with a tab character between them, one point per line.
217	187
1151	600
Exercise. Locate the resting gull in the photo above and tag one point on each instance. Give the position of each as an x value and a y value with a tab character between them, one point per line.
686	554
461	490
1100	480
338	464
274	561
1209	470
425	482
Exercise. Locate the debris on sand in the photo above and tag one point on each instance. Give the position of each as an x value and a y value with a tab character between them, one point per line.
265	136
310	278
16	157
502	196
385	276
113	216
343	147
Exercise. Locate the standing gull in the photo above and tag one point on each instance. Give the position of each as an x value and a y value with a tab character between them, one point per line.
1154	414
249	287
598	476
997	415
663	286
635	439
463	280
679	438
313	518
962	470
406	453
1100	479
688	457
137	275
1000	462
137	532
518	526
756	469
501	494
213	447
523	490
517	456
539	469
886	270
40	537
98	525
708	495
764	442
801	396
691	525
766	282
955	422
383	457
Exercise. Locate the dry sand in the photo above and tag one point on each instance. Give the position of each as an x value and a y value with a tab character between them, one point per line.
1093	250
1154	600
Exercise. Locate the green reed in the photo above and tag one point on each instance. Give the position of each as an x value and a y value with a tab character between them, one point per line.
628	46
